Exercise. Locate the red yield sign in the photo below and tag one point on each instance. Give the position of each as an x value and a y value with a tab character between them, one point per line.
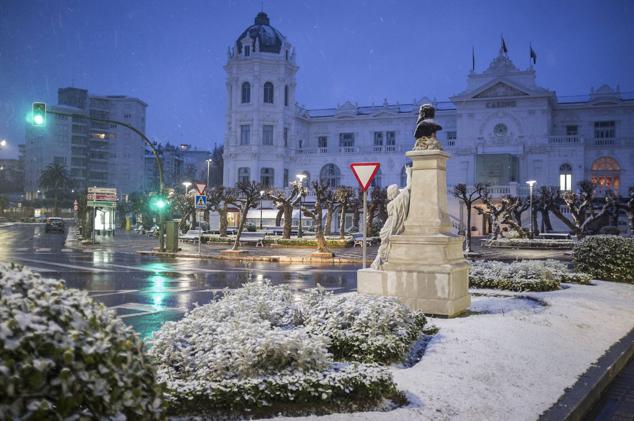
364	172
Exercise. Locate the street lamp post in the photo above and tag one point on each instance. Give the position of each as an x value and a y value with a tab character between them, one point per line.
208	170
531	183
300	177
186	184
261	196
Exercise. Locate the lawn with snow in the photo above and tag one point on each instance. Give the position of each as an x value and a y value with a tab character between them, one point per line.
513	356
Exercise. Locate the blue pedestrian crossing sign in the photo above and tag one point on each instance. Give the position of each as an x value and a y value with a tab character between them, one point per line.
200	201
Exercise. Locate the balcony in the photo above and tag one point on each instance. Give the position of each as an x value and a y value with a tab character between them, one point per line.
351	149
578	140
565	140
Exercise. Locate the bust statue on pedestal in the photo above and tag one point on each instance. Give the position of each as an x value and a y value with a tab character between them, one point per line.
420	260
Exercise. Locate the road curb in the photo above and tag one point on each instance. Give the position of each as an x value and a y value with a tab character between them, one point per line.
578	400
247	258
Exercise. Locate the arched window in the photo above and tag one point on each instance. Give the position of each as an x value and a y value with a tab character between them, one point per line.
267	177
565	177
246	92
376	181
286	95
403	176
268	93
605	174
330	175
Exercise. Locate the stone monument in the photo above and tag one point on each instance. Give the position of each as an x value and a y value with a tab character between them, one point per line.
420	261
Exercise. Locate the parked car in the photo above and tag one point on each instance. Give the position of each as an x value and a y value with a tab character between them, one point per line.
54	224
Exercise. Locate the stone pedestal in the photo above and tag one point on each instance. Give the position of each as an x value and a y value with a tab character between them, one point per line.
425	267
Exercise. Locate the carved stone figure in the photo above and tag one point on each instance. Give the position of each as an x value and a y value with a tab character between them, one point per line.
426	128
397	210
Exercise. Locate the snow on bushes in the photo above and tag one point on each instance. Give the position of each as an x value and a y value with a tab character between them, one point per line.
362	327
525	275
261	346
606	257
63	355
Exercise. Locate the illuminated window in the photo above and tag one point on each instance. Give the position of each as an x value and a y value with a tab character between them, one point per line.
565	177
606	174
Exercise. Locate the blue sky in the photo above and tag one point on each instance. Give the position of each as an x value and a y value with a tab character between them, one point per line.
170	54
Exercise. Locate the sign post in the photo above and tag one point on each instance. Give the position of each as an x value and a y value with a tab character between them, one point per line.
365	172
200	202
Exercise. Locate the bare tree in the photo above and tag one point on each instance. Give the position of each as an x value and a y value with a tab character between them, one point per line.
247	196
542	204
628	208
512	214
330	205
285	203
316	214
581	207
469	199
493	212
218	200
377	207
343	196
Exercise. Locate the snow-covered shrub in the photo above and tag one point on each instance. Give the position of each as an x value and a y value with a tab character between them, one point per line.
363	327
534	243
525	275
606	257
63	355
215	359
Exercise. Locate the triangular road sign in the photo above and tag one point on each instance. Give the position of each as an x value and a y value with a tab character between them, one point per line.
200	187
364	172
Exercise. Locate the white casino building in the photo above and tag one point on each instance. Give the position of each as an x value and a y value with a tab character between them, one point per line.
503	129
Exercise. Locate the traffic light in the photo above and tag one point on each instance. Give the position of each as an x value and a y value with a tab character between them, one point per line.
158	203
39	114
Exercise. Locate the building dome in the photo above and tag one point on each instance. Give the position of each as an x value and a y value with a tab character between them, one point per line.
262	35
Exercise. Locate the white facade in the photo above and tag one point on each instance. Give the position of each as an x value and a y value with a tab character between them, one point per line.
502	130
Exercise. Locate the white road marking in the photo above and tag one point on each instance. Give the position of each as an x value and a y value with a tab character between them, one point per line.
43	249
63	265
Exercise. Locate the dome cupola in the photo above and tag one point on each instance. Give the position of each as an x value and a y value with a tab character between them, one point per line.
261	37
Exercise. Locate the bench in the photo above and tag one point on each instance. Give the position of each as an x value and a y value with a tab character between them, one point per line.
555	236
191	235
253	237
357	240
152	232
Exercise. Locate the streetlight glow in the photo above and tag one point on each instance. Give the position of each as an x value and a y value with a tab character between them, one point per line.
301	178
186	184
531	183
3	143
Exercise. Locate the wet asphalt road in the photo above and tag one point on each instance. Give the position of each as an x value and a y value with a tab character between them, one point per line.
146	291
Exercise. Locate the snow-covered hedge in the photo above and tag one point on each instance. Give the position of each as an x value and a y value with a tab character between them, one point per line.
363	327
261	346
607	257
535	243
63	355
525	275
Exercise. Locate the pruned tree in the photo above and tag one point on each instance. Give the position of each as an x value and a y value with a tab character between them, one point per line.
182	206
285	203
542	203
321	192
582	209
356	204
493	212
469	198
344	196
376	207
247	196
513	207
329	205
218	200
628	208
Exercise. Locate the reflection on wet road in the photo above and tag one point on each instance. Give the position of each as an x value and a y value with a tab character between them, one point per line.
146	290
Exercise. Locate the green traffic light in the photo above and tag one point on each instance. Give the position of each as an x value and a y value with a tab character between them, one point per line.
39	114
158	203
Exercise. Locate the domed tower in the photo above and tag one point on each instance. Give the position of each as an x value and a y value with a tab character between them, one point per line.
260	106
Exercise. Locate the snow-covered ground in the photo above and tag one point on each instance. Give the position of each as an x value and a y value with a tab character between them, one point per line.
511	358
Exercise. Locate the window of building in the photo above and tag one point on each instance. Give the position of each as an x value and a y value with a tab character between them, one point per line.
285	177
572	130
268	93
300	144
247	50
246	92
500	129
378	141
267	134
330	175
267	177
565	177
245	134
286	55
390	141
285	137
244	175
451	135
606	174
346	142
604	129
322	142
286	95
